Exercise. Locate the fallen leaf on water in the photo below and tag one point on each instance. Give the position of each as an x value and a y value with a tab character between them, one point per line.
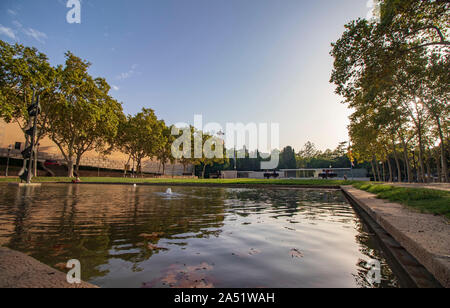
61	266
204	266
295	253
153	235
154	247
182	276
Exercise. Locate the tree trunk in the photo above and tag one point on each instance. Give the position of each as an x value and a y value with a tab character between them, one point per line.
429	177
140	167
407	163
70	167
126	167
35	168
377	165
421	161
390	171
203	172
397	163
438	166
443	152
421	171
373	171
77	165
429	161
415	169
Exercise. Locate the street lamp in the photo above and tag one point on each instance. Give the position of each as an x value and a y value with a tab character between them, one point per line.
7	160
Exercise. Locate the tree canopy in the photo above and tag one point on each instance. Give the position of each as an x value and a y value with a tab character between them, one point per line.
394	75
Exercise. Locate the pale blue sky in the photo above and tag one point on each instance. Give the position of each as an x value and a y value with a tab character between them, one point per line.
229	60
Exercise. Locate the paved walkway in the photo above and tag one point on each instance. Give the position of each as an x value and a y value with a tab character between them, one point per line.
424	236
437	186
18	270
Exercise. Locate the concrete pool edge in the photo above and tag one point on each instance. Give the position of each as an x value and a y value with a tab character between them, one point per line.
424	236
17	270
208	185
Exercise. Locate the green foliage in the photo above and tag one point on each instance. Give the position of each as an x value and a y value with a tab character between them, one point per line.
424	200
208	142
164	151
83	117
394	75
141	136
310	157
287	159
22	70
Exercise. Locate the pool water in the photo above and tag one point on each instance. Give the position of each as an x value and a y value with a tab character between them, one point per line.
127	236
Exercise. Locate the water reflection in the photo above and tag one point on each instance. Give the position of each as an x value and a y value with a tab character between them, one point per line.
196	237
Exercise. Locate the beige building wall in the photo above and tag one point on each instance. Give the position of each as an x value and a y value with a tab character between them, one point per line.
10	134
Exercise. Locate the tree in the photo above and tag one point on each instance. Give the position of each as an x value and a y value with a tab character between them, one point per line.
394	73
416	23
84	117
24	71
212	151
140	136
287	158
164	152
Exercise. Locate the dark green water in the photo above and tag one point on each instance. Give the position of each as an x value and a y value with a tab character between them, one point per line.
197	237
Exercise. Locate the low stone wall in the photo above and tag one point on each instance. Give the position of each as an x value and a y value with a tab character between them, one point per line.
148	165
426	237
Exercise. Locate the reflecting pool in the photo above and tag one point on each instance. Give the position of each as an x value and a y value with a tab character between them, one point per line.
127	236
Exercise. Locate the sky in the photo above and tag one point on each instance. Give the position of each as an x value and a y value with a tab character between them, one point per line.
231	61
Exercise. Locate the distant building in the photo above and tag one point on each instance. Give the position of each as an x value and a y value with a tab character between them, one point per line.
338	173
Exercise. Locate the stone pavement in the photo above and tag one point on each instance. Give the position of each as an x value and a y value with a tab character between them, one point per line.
437	186
18	270
424	236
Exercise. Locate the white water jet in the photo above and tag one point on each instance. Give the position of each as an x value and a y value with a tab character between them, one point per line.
169	191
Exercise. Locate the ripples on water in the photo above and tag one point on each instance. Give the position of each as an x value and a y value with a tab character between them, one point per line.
129	236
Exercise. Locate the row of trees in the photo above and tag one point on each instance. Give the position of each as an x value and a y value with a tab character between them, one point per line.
394	73
77	112
79	115
310	157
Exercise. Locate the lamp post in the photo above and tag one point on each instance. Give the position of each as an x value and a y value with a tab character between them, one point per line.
7	160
